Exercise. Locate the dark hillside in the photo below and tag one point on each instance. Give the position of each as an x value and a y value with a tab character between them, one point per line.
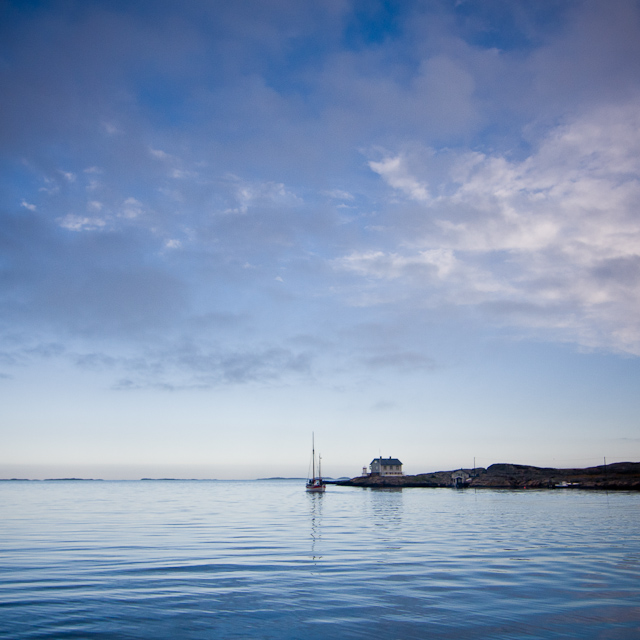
617	476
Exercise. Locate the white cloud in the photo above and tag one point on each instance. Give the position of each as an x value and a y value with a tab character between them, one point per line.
338	194
28	205
396	174
181	174
248	194
51	188
110	128
81	223
132	208
439	263
159	154
551	241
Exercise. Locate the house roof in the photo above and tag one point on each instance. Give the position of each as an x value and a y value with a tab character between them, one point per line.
388	461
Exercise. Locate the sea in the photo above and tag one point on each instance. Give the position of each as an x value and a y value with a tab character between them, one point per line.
265	559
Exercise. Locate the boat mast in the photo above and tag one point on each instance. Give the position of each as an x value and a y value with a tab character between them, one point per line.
313	455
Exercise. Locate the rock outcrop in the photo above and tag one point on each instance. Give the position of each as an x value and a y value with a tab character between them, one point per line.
617	476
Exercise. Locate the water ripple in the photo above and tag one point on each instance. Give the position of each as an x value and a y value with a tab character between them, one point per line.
198	560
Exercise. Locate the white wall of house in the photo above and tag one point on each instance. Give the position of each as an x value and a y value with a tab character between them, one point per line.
384	467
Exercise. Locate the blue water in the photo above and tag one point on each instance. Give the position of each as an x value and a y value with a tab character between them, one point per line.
200	560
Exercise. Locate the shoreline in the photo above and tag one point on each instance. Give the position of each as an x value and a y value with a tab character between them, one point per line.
619	476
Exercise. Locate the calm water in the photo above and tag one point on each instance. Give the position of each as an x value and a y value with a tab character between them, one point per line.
199	560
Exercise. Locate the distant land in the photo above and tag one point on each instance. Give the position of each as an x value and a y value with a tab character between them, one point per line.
612	477
280	478
618	476
51	480
150	479
178	479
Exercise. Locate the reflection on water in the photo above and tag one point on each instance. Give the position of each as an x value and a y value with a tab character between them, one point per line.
225	560
315	518
386	505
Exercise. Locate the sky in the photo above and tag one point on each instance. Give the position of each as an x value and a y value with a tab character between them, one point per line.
410	227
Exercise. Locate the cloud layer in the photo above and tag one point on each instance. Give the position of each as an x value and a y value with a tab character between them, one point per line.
551	241
308	170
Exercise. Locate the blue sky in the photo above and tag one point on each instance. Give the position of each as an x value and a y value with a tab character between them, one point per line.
411	227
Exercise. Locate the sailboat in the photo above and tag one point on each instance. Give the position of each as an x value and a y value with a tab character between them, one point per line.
315	483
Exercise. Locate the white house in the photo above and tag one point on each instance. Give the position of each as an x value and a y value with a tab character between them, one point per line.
386	467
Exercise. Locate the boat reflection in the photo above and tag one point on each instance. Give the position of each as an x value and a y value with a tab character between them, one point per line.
315	519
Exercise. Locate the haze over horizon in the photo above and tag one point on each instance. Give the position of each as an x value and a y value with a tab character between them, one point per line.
411	227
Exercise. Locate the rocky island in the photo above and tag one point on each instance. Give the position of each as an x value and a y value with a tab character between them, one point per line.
617	476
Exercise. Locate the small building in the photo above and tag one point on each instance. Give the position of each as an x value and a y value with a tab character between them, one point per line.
386	467
460	478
